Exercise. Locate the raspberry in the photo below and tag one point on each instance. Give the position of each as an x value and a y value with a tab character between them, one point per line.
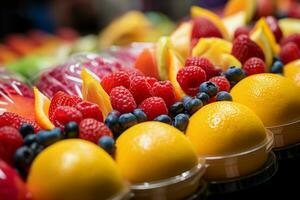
203	27
132	72
289	52
244	48
189	79
222	83
205	64
122	100
92	130
244	30
140	89
62	99
165	90
291	38
151	80
16	121
153	107
64	114
254	66
90	110
115	79
10	141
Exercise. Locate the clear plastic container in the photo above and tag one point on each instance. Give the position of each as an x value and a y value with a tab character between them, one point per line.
286	134
124	195
250	185
178	187
239	164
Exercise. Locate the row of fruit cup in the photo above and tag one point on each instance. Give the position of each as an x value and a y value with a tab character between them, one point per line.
223	173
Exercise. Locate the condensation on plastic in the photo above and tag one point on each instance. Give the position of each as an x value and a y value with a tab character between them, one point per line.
178	187
66	77
239	164
11	85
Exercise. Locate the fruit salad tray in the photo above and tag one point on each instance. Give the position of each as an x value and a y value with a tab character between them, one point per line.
209	111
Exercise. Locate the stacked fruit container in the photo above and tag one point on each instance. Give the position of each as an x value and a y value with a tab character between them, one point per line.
211	111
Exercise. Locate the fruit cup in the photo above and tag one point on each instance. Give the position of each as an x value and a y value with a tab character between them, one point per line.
160	163
236	147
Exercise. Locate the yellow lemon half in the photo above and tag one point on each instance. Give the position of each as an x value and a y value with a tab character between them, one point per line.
292	71
274	98
224	128
74	169
153	151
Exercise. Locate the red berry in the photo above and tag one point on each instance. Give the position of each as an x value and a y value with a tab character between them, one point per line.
275	28
115	79
91	130
203	27
243	30
90	110
264	8
244	48
153	107
132	72
15	120
254	66
189	79
151	80
122	100
62	99
165	90
64	114
289	52
222	83
140	89
10	141
291	38
205	64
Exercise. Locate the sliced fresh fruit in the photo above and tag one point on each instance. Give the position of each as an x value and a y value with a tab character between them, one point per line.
41	109
232	22
289	26
162	49
181	39
129	27
201	12
146	63
21	105
217	51
235	6
264	8
175	65
92	91
262	23
260	37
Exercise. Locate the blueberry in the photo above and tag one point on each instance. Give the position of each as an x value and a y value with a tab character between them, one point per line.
164	118
47	138
107	143
181	121
23	157
26	129
112	122
193	105
127	120
209	88
176	108
224	96
277	67
140	115
203	97
234	75
36	148
71	130
186	99
29	139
